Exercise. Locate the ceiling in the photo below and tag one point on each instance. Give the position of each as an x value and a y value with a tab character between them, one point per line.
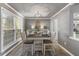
37	9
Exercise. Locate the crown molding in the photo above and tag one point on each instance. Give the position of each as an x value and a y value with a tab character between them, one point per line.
62	10
14	9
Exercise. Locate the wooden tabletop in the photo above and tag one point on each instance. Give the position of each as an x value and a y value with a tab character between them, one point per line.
38	38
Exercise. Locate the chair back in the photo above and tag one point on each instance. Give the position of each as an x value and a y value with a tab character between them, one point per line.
23	35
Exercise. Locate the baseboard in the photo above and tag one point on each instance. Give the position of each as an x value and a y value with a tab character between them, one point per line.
66	50
12	49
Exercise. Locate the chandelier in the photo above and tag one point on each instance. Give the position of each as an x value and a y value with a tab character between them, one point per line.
37	14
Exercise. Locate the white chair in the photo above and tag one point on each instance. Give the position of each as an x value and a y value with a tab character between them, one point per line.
38	46
27	44
48	46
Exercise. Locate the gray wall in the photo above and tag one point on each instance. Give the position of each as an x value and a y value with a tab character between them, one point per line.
63	26
65	30
29	22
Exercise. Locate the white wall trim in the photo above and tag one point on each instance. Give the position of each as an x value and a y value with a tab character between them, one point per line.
14	9
66	50
12	49
62	9
36	18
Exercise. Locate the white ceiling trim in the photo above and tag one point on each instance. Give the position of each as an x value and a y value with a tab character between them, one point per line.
14	10
35	18
61	10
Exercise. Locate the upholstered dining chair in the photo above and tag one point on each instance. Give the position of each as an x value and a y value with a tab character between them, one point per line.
27	44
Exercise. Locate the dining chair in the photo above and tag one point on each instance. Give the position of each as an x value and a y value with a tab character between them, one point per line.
38	47
27	44
48	47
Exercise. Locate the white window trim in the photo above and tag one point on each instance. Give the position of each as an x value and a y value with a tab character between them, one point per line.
3	49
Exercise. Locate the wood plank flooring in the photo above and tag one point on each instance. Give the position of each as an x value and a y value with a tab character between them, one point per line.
58	52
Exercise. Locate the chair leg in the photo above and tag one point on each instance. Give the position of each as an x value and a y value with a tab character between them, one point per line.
44	50
24	51
32	50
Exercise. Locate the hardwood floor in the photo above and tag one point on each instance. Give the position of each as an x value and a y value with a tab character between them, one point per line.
58	52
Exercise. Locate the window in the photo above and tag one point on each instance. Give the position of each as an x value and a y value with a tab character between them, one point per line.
10	29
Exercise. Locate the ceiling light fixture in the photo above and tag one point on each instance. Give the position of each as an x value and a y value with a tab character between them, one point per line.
37	14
